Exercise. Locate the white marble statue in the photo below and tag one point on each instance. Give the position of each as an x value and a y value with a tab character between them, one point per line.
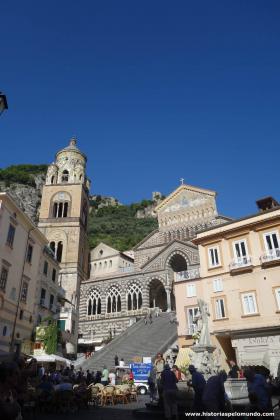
201	320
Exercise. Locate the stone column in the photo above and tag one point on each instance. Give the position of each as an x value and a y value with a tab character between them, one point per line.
145	297
168	296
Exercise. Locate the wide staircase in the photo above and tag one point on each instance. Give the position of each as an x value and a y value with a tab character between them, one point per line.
137	341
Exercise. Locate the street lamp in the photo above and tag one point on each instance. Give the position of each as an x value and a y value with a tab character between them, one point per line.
3	103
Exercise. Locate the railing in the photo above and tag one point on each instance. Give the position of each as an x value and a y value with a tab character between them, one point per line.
126	269
240	263
64	309
272	255
134	312
187	275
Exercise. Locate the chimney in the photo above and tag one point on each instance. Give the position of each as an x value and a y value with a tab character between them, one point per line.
267	203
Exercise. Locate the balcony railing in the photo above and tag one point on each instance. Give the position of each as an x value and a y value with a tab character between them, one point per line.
270	256
241	262
187	274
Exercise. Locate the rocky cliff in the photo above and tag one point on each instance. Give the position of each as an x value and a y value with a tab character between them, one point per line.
27	197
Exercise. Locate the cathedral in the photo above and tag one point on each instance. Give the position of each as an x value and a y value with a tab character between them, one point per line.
125	286
108	290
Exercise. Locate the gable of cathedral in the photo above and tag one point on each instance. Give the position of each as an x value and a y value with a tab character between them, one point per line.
187	206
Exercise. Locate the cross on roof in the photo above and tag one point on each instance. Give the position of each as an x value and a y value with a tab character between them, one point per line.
182	181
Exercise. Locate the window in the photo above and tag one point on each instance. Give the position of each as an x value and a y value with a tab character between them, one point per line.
113	300
65	176
73	325
218	285
220	308
5	329
191	314
213	255
13	294
277	294
94	303
24	291
60	209
21	314
43	297
54	275
191	290
59	251
84	213
134	297
29	253
249	303
46	266
271	241
51	301
3	278
11	236
240	251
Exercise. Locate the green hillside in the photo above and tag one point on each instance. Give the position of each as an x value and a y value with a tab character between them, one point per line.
118	227
21	174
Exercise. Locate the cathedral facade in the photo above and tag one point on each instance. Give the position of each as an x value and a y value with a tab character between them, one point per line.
116	293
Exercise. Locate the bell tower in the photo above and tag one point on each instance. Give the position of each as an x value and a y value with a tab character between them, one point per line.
63	217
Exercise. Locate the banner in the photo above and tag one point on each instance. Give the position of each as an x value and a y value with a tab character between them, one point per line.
141	371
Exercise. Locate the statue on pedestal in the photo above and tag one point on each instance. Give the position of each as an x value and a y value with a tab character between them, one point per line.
201	320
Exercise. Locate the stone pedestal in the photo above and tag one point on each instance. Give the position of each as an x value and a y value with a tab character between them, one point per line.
203	359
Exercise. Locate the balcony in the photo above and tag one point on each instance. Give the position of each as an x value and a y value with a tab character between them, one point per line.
240	265
187	275
271	257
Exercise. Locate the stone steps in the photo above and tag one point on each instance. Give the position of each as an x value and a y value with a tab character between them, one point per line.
137	341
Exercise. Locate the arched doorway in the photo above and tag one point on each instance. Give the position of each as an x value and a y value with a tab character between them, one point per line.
157	295
177	263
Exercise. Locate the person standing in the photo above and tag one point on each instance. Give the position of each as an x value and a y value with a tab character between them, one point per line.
258	386
234	369
169	392
159	366
214	395
198	383
105	376
112	377
116	360
177	372
152	384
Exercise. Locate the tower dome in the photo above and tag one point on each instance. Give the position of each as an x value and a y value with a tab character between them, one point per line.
69	166
71	148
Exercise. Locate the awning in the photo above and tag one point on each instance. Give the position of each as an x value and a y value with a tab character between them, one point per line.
52	358
183	357
255	359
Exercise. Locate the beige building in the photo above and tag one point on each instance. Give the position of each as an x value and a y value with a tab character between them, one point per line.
21	247
63	220
49	294
240	281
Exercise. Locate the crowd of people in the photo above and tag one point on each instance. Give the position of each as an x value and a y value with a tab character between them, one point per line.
209	395
24	381
18	380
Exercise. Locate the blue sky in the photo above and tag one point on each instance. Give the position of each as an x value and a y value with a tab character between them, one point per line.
154	91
